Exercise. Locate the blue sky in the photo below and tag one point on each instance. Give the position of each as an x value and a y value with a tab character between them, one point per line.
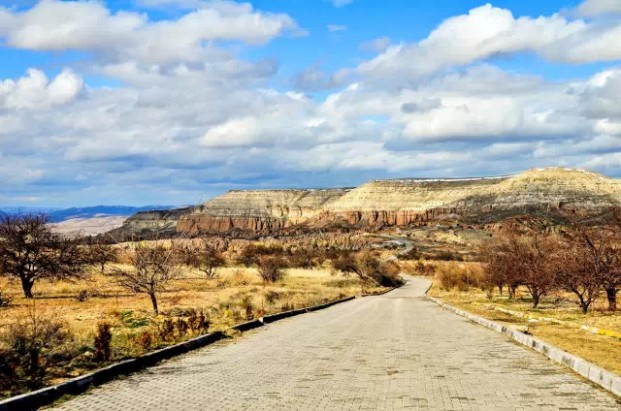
174	101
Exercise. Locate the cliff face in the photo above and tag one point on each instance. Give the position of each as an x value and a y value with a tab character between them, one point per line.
553	192
258	211
150	224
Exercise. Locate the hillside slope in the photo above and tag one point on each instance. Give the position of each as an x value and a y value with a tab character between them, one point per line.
550	193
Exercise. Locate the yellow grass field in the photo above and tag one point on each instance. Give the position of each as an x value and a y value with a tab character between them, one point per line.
236	296
602	350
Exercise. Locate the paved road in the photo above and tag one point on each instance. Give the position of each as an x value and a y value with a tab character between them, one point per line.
397	351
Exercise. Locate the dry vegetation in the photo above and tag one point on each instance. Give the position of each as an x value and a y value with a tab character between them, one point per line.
464	285
124	300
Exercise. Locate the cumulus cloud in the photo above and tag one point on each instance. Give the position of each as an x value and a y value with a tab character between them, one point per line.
483	32
35	90
59	25
192	118
597	7
488	31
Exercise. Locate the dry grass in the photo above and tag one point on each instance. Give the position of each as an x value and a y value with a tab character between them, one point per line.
601	350
237	295
106	301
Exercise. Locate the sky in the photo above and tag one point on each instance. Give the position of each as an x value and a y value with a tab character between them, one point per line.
140	102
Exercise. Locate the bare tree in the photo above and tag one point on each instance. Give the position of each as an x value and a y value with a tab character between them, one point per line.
522	260
204	257
153	267
99	253
578	270
29	250
502	267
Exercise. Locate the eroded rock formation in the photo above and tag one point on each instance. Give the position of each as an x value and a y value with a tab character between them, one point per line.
552	192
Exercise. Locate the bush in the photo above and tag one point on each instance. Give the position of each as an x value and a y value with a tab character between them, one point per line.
34	345
146	340
103	338
198	322
182	327
5	300
461	277
82	296
387	275
270	269
166	330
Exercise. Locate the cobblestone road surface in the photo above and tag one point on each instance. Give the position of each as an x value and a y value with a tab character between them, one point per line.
393	352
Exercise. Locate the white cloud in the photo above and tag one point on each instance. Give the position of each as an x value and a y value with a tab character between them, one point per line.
36	91
488	31
58	25
378	45
191	118
597	7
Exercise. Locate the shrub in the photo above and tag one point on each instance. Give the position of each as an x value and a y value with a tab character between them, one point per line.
461	276
103	338
166	330
270	269
5	300
82	296
146	340
448	279
424	269
34	345
302	258
182	327
272	296
387	275
198	322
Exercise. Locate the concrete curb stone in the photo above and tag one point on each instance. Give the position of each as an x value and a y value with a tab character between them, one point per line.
45	396
604	378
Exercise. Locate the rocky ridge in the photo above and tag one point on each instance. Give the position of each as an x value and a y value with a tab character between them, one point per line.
550	192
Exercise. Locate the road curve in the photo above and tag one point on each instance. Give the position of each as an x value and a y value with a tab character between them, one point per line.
392	352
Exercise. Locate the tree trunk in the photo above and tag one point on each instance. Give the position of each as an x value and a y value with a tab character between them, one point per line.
584	305
500	290
154	303
611	294
536	298
27	287
512	290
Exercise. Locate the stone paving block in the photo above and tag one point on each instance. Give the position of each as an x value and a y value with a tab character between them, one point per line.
393	352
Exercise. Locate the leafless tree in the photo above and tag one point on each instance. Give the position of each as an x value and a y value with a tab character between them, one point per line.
99	253
29	250
204	256
578	270
522	260
153	267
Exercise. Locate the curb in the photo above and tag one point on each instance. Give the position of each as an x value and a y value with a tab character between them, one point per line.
45	396
605	379
32	401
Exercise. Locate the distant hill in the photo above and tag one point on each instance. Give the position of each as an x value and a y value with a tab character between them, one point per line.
60	215
556	194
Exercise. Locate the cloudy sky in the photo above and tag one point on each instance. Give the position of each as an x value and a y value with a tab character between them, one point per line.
175	101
